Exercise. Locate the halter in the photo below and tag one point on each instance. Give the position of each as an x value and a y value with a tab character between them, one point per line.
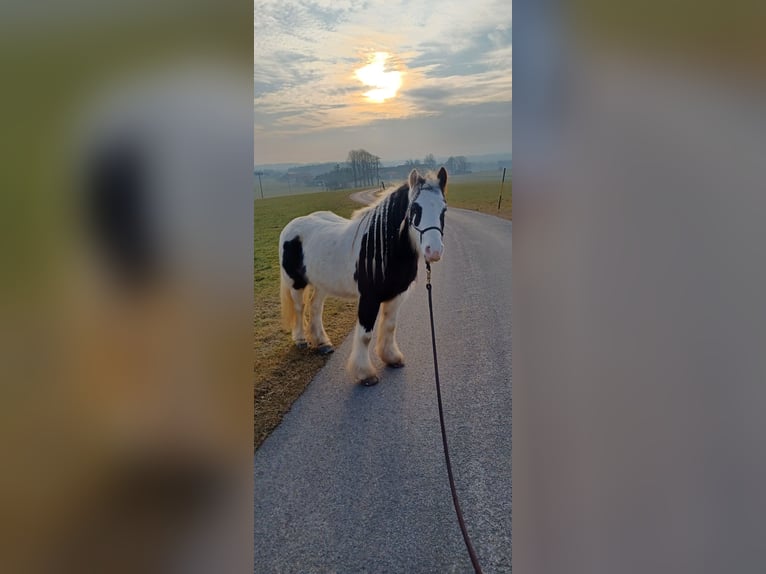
422	231
414	199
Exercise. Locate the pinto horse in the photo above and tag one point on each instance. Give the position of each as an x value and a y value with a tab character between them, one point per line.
373	257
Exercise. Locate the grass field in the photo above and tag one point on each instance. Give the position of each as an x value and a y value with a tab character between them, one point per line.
281	371
481	196
480	191
277	188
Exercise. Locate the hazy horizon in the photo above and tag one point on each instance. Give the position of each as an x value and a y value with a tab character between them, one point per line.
330	77
392	162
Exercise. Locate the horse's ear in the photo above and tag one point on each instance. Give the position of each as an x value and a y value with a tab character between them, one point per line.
413	178
442	175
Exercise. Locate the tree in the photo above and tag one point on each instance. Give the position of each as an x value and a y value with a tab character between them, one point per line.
430	161
365	167
458	164
353	161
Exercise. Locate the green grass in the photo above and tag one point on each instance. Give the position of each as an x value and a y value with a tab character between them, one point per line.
481	195
277	188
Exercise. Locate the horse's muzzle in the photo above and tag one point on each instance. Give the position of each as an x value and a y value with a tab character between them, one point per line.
432	255
432	249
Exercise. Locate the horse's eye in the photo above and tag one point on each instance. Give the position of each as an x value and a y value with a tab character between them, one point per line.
417	212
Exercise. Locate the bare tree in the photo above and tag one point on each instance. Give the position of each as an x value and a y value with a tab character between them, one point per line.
353	162
365	167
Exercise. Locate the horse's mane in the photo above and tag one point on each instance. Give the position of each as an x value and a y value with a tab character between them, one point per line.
381	198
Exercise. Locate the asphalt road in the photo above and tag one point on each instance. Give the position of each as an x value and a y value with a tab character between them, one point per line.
354	479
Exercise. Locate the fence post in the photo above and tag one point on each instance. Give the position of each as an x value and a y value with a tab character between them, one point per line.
499	199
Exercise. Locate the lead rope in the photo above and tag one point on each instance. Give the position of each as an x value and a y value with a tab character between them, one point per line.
463	529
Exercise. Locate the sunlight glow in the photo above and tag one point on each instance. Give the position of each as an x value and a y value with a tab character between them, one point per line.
384	84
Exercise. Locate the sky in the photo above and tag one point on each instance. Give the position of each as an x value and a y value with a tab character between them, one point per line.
400	79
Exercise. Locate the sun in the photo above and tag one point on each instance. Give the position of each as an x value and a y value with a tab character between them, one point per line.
384	84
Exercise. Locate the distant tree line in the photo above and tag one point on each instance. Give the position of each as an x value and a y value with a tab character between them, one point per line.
363	168
454	164
429	162
338	178
457	164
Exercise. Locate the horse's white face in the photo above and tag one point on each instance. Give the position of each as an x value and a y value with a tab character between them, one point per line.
427	208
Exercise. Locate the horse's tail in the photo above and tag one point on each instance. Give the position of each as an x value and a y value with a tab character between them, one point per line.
288	308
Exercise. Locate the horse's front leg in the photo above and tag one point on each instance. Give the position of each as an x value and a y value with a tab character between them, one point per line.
316	326
359	365
386	346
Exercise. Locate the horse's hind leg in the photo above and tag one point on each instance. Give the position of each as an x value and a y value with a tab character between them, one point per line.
316	326
386	346
299	335
359	365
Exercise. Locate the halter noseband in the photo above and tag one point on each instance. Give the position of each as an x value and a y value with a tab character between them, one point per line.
422	231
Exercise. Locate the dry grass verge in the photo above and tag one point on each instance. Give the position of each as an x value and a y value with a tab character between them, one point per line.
280	371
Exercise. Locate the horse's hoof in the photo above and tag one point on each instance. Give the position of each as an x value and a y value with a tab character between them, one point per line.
397	365
369	381
302	345
325	349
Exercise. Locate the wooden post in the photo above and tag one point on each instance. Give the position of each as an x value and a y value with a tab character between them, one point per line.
499	199
259	174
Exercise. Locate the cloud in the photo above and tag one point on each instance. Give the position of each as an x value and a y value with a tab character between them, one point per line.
432	94
465	130
308	53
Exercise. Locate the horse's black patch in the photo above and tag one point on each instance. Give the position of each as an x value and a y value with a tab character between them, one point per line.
387	263
368	311
292	262
416	212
